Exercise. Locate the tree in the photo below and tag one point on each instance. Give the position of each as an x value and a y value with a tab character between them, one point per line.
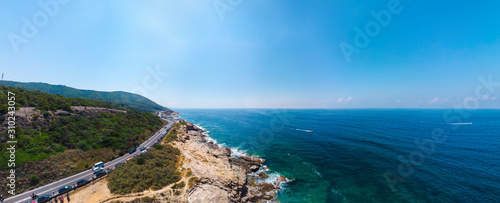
34	179
3	109
67	107
140	160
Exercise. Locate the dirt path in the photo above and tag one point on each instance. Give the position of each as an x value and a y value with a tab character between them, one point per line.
92	193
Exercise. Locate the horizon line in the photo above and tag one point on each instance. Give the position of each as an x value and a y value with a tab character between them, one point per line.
396	108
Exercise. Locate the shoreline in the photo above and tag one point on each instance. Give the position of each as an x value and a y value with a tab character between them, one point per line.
209	172
224	176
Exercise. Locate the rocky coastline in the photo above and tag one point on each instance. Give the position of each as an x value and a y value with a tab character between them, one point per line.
220	175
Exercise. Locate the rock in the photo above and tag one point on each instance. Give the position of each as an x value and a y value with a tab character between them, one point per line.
253	160
208	193
190	126
63	113
221	178
283	179
263	175
254	168
224	151
266	187
267	197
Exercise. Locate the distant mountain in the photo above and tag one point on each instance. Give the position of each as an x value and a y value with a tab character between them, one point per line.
118	98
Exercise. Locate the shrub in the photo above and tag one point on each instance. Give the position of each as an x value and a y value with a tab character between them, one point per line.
34	179
189	172
158	147
158	170
140	160
179	185
172	134
192	181
145	200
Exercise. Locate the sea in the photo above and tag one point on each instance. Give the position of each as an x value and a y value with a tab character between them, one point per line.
367	155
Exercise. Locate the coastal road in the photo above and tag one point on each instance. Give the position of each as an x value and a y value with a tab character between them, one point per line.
87	174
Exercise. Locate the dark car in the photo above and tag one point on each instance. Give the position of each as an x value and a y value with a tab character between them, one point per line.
118	164
100	174
82	182
64	189
44	198
132	150
143	148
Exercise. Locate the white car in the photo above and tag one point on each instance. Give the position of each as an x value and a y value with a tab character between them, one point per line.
97	169
97	166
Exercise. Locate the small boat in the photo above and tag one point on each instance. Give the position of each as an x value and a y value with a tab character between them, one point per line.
309	131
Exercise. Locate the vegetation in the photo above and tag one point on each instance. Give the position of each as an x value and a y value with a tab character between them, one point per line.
158	146
34	179
122	99
158	171
45	102
192	181
55	167
179	185
172	134
189	172
47	135
51	146
145	200
116	131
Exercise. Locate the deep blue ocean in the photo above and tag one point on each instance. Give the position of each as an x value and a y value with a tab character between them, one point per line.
368	155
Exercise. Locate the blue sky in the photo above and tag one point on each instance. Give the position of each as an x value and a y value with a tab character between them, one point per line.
258	53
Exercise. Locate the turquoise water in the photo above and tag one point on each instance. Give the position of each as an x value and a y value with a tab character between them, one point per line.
353	155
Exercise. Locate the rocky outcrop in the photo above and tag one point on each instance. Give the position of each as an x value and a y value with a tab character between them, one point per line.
221	176
29	117
208	193
250	163
190	126
90	111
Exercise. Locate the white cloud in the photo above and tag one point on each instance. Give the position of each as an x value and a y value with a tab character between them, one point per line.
435	100
487	97
340	100
321	102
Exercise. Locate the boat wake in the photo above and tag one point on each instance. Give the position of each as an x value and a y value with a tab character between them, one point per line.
460	123
309	131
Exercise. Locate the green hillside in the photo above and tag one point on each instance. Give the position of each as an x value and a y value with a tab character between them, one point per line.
70	133
118	98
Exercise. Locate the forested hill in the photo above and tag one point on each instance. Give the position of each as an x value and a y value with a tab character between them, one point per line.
45	101
59	136
47	123
118	98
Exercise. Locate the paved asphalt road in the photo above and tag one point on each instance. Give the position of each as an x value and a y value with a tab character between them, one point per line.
88	174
